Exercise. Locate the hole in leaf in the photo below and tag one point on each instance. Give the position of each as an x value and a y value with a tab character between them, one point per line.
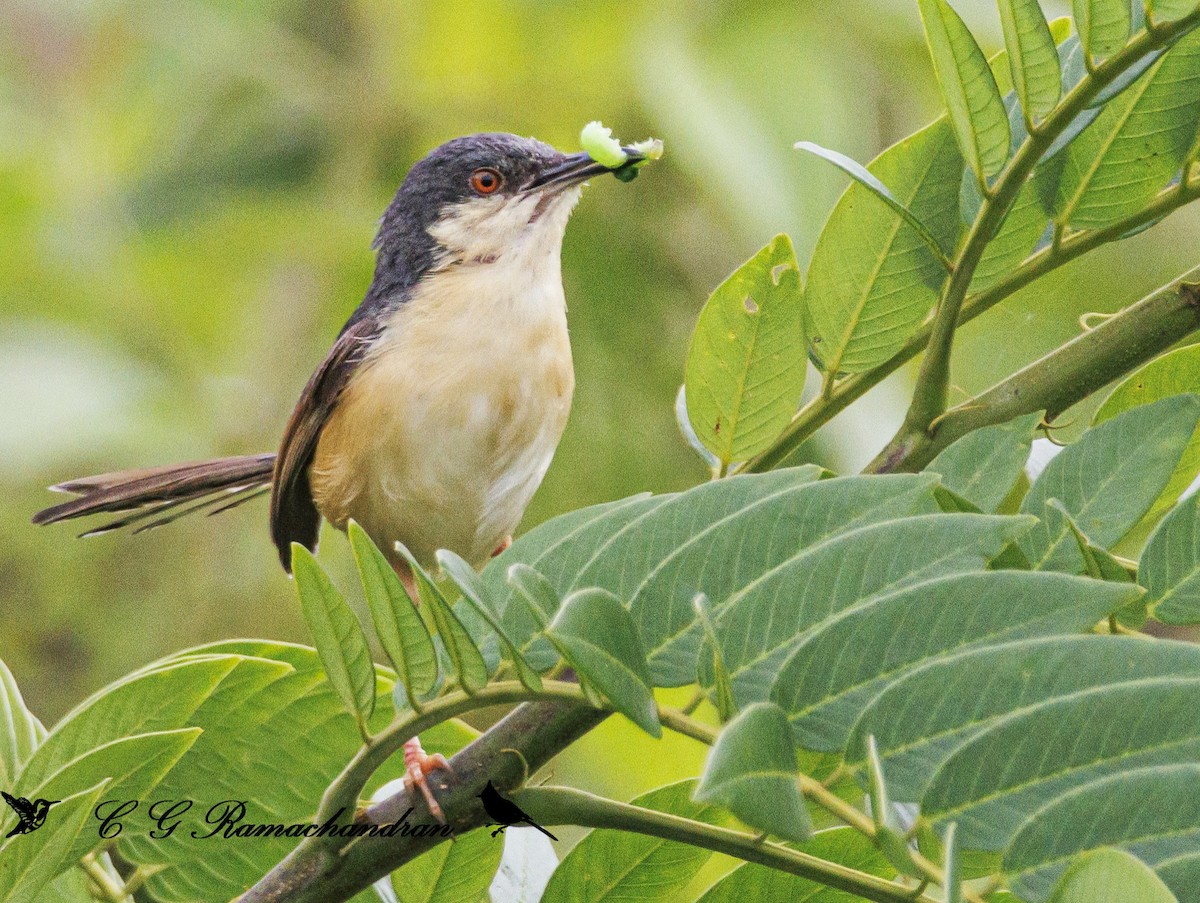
751	306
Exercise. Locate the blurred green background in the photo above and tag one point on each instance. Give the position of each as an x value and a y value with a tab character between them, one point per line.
188	192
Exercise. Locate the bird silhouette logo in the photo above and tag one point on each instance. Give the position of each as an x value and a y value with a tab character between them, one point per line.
505	813
32	815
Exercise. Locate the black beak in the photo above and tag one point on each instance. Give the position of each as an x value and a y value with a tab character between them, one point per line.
572	169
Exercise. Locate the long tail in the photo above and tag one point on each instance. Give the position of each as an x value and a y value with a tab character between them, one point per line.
160	495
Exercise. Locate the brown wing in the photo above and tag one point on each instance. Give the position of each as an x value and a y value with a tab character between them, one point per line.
294	516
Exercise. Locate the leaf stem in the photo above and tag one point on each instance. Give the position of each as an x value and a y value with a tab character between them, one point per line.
112	890
682	723
563	805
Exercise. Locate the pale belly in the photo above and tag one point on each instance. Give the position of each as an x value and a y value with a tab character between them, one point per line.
444	434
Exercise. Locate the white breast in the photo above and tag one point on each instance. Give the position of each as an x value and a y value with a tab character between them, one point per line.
446	431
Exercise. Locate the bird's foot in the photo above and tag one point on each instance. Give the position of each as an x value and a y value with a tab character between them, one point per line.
417	766
499	831
503	547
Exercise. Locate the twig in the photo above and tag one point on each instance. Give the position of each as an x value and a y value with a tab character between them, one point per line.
563	805
820	410
930	393
1069	374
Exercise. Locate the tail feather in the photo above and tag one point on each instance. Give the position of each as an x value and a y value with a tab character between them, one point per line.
149	492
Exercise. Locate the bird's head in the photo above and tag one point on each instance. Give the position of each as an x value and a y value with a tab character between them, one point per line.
481	199
41	805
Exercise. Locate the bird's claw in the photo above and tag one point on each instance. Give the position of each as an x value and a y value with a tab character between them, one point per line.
417	766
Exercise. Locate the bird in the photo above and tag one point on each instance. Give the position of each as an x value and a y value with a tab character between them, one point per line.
32	815
434	416
505	813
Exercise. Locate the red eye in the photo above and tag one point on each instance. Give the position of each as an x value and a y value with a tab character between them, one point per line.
486	181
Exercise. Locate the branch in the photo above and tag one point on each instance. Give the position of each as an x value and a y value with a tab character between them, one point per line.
1067	375
931	391
822	409
566	806
344	792
523	741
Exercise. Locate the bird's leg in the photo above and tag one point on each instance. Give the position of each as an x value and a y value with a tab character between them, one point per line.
417	766
503	547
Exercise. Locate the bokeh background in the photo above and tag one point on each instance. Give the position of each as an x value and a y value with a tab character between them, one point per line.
188	193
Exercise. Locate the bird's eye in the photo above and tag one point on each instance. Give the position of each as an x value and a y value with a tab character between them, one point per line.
486	181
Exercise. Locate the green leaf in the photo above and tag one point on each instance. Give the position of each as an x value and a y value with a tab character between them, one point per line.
651	550
1154	812
467	580
1110	876
851	656
983	466
72	885
661	551
1032	57
28	862
338	635
844	846
535	591
750	527
1136	145
458	872
1052	748
1107	480
764	623
1170	565
162	697
1103	25
726	707
751	771
468	661
559	550
873	279
1169	10
743	375
609	866
596	634
922	718
969	89
1171	374
1098	562
400	630
20	731
863	177
133	766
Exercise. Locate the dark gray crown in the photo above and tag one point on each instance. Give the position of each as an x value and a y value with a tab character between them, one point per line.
405	248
